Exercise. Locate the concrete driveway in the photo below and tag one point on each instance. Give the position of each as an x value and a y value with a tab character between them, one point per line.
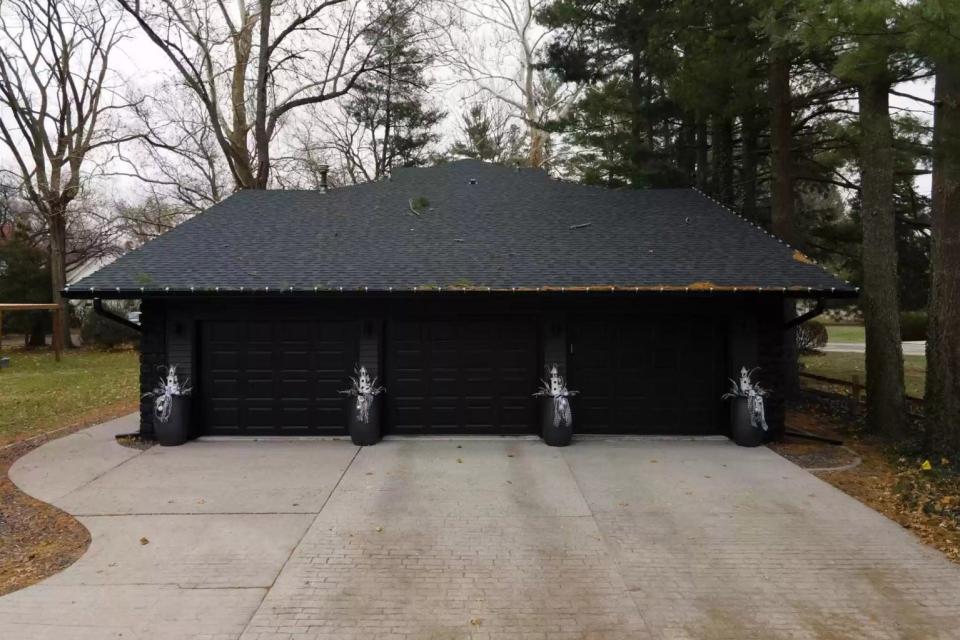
446	539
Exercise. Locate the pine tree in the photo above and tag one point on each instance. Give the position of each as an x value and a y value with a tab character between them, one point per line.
780	56
392	102
932	25
871	56
488	136
623	50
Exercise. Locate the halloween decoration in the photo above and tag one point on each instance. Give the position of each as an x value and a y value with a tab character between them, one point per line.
364	420
748	421
556	415
171	408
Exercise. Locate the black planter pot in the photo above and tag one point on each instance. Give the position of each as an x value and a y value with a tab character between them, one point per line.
555	435
741	431
364	433
176	430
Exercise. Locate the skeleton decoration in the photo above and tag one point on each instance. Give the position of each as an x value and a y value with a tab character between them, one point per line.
556	388
364	390
167	387
754	394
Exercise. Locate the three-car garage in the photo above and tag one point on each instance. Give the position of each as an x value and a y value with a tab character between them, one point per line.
460	374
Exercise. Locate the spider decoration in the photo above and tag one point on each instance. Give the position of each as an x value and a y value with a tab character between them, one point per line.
364	389
754	394
556	388
167	387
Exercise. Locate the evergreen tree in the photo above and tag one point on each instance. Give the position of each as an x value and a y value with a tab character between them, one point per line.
25	277
392	102
488	136
933	28
623	50
871	56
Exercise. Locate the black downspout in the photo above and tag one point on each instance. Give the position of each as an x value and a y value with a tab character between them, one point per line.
809	315
109	315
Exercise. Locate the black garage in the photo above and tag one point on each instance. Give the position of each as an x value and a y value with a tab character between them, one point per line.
274	378
646	301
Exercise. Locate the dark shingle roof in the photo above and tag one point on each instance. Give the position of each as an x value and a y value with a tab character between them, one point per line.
480	226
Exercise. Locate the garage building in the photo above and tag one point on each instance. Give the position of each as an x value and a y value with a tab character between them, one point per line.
457	285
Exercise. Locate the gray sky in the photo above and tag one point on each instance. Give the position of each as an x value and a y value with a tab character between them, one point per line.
142	66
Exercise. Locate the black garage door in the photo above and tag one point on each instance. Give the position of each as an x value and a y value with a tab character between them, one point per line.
276	378
646	376
462	376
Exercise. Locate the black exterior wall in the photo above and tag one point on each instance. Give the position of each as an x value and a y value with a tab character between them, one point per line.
153	355
749	329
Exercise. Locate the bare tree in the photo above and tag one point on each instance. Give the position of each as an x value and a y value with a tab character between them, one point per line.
253	63
177	158
57	104
327	138
498	45
144	220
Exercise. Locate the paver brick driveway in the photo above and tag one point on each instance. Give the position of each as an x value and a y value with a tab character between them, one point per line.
437	539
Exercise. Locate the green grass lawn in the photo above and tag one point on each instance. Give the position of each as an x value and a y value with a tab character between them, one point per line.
38	394
844	366
845	333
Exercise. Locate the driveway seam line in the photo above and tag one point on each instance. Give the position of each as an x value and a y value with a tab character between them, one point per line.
603	538
296	546
98	476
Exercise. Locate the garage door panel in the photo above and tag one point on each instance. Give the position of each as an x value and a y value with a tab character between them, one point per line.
471	378
276	378
645	375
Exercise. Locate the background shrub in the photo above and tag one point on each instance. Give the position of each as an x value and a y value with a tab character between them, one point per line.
97	331
913	325
811	336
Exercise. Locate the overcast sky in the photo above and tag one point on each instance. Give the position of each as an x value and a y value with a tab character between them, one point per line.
143	66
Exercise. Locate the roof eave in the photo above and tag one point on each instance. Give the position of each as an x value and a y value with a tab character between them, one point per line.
89	293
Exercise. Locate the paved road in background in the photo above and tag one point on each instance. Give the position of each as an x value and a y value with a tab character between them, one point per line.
909	348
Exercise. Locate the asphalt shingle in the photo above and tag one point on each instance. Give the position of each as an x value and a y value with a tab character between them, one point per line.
477	226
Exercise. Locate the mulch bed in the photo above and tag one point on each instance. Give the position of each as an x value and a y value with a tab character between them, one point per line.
36	539
888	480
818	456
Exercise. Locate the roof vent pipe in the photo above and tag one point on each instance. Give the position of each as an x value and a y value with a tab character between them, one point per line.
322	168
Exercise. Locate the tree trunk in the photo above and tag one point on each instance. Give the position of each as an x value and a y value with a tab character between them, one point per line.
58	270
881	307
781	147
748	164
637	152
723	159
260	136
703	152
386	152
538	137
942	398
37	335
686	148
